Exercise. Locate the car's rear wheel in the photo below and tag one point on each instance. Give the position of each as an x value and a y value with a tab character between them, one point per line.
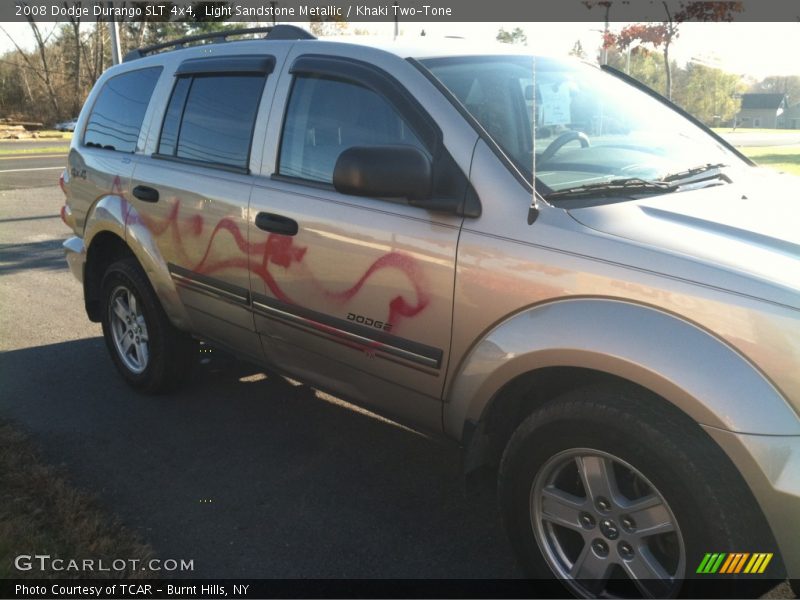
149	352
616	495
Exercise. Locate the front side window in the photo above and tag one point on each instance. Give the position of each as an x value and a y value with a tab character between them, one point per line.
210	119
326	116
117	114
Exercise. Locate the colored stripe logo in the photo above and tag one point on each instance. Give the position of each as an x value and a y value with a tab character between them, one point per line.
731	563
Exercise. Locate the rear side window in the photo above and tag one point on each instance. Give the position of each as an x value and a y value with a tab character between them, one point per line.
210	119
117	114
326	116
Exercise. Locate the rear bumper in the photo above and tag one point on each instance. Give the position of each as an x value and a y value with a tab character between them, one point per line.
75	252
771	467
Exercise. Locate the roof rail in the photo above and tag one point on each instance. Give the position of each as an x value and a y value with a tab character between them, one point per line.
276	32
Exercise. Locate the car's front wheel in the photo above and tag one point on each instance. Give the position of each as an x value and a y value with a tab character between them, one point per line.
616	495
149	352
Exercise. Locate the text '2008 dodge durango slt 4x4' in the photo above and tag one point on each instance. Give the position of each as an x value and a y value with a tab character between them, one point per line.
574	280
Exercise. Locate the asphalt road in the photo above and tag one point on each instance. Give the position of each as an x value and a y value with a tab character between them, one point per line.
244	472
20	171
296	485
33	143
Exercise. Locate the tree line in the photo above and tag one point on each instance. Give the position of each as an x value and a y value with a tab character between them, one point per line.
50	82
704	90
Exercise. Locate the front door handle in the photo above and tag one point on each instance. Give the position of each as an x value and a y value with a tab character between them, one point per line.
145	194
276	223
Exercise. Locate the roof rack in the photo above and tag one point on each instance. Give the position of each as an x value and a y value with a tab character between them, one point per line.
276	32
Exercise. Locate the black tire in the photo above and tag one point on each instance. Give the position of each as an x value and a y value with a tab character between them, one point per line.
171	354
703	493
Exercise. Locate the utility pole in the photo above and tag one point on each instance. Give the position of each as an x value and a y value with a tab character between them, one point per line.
396	22
113	32
605	32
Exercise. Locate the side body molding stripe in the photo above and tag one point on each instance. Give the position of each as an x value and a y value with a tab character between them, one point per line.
208	285
348	333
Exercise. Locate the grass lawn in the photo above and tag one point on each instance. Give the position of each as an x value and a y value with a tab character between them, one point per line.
43	149
724	130
43	137
41	513
781	158
53	134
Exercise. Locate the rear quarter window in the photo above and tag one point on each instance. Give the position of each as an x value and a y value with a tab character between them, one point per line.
116	117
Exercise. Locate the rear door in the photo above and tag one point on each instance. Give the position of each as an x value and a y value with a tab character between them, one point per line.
353	294
192	192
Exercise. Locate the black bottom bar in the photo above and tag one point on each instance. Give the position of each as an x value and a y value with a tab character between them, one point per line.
713	587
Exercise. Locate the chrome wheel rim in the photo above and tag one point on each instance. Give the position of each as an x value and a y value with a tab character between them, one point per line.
129	329
604	529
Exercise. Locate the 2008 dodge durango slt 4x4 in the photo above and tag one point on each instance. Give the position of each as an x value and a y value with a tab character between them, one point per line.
574	280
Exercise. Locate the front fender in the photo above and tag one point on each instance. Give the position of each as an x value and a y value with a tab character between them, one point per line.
697	372
116	215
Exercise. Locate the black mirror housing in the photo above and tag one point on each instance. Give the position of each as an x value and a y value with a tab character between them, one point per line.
384	172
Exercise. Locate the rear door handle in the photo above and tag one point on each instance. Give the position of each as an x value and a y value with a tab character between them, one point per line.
276	223
145	194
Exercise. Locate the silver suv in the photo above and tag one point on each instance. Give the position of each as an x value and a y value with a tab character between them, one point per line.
582	286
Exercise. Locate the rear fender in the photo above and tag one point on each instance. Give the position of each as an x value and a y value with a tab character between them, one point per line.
115	214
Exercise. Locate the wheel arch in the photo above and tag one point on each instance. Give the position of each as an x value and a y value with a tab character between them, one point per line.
114	230
544	351
106	248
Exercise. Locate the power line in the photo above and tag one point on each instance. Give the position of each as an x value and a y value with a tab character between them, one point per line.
39	69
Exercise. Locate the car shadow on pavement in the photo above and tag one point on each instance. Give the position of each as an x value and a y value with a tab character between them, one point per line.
47	254
250	475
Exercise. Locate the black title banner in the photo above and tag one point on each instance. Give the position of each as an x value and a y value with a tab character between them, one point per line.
403	10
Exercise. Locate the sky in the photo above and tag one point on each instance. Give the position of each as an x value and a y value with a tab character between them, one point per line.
748	49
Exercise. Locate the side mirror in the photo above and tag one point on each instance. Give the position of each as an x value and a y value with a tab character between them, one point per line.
529	92
384	172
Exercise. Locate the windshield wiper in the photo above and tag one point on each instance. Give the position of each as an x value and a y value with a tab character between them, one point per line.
681	175
628	185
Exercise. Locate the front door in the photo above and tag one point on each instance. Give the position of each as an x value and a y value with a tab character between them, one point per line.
353	294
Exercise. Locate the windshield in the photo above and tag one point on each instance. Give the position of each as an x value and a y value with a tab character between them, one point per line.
589	127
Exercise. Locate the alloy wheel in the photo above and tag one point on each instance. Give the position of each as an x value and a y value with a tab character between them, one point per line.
603	527
129	329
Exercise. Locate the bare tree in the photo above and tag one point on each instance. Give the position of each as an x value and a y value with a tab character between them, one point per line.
43	73
47	76
78	46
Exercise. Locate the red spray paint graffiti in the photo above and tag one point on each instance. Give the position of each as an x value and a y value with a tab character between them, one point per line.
277	250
